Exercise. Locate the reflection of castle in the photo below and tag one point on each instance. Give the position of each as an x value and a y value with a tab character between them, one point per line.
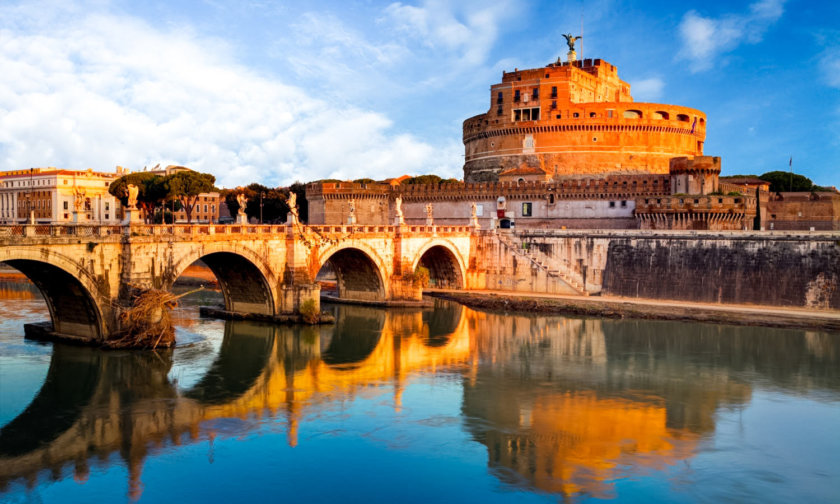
592	401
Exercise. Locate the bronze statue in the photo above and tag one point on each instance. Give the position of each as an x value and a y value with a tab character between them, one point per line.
571	39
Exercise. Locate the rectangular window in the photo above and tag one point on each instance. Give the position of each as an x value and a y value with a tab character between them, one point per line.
499	111
536	94
205	208
526	209
517	115
609	113
554	91
499	97
516	95
107	206
612	204
623	203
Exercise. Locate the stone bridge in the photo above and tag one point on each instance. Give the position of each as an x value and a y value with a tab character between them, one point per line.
86	273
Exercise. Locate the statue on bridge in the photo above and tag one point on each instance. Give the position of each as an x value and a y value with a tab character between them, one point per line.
78	199
242	201
351	220
399	220
293	209
131	192
474	216
430	219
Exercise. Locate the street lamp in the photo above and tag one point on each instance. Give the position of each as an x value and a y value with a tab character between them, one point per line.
261	206
31	210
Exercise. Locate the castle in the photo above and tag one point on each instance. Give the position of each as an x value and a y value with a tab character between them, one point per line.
563	146
576	119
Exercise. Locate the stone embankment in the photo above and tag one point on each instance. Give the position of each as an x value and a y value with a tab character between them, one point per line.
614	307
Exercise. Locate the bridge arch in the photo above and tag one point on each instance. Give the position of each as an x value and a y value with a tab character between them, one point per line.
247	283
72	295
443	260
360	272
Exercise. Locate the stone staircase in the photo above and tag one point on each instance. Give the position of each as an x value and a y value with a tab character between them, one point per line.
553	268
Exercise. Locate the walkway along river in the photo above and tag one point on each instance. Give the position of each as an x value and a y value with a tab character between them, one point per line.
421	405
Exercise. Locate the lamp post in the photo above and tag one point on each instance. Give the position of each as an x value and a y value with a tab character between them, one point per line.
31	210
261	206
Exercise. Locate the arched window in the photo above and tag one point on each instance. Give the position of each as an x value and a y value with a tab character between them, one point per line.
682	117
633	114
659	114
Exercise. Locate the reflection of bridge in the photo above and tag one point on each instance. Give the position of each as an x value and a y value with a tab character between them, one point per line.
94	404
562	405
84	272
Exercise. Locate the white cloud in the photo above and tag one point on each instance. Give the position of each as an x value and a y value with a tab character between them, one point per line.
96	90
647	89
830	66
705	38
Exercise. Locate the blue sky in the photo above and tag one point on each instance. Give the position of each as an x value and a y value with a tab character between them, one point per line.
282	91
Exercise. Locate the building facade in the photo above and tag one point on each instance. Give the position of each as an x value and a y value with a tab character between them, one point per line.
55	196
576	119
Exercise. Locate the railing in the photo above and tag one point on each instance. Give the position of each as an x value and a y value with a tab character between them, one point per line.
193	230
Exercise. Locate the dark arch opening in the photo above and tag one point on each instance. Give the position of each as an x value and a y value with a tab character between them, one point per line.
356	276
71	306
444	272
441	323
68	388
244	287
357	333
245	351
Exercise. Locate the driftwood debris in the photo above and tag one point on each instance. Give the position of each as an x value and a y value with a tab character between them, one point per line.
147	324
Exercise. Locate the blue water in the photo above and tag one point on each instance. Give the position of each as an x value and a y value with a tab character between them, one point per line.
434	405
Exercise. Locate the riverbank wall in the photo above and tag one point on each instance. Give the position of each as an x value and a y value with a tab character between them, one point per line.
797	269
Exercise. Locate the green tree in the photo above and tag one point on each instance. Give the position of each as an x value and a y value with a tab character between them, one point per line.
150	191
186	186
423	179
781	181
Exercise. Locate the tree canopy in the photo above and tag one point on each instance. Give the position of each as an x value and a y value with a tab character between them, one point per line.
151	190
781	181
187	185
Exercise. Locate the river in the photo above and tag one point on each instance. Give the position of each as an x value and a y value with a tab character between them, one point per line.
442	404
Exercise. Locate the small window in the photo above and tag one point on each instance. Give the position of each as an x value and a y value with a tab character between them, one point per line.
720	200
575	115
659	114
612	204
633	114
526	209
499	111
593	114
682	117
623	203
536	94
517	115
499	97
516	95
559	116
550	199
66	206
553	104
554	91
609	113
696	201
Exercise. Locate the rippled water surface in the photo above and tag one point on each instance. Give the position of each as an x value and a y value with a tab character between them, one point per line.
434	405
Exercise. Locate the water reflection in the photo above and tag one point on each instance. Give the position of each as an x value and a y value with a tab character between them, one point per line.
559	405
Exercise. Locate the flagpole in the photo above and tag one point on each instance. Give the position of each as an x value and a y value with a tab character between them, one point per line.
790	169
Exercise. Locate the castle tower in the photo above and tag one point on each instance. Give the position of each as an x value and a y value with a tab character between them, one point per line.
697	175
576	119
